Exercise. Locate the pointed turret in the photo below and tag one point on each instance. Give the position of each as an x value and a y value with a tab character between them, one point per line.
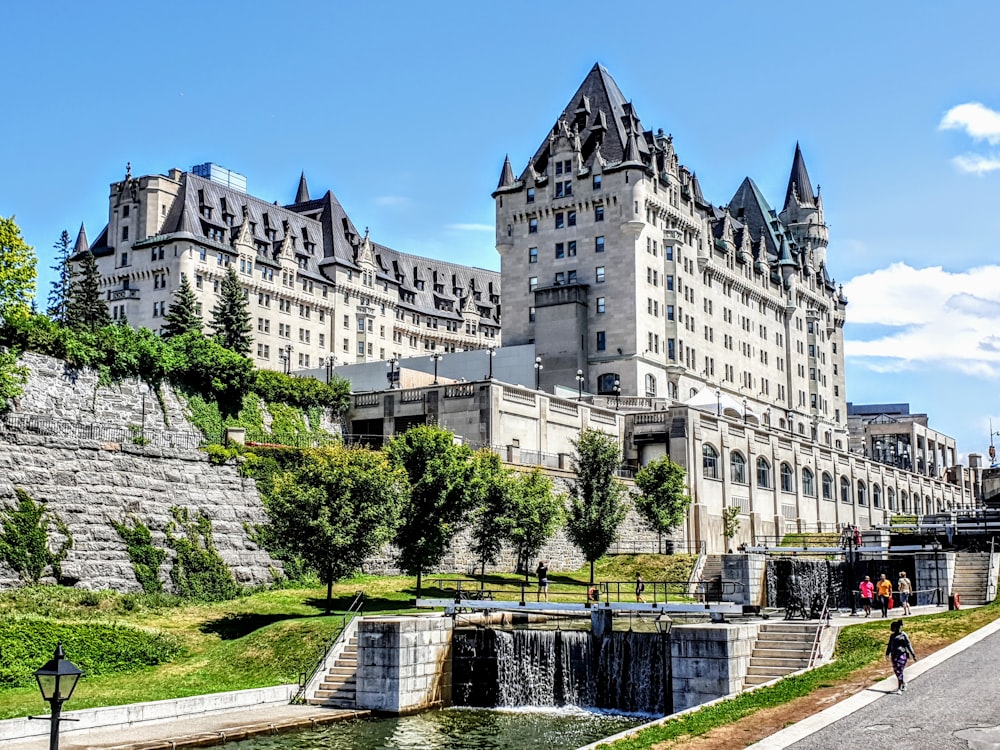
506	174
799	187
82	245
302	194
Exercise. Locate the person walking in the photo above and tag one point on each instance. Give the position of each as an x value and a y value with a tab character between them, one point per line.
884	592
904	588
897	651
542	571
867	589
639	587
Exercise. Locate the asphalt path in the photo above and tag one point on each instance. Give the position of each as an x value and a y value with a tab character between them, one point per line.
952	702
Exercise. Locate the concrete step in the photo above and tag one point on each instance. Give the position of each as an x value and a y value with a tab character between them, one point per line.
760	679
769	662
333	703
776	653
339	694
776	669
343	669
337	685
787	637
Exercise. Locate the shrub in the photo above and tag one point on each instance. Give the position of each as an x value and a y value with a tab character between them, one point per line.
198	572
24	539
146	559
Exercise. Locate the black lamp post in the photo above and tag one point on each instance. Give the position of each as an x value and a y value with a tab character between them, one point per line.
329	362
57	680
538	372
663	626
618	393
285	355
393	365
143	389
718	402
579	385
493	352
744	411
435	358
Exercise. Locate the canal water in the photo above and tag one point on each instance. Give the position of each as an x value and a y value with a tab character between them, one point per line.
456	729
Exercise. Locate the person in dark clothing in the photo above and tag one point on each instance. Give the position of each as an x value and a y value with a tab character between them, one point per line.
543	580
897	651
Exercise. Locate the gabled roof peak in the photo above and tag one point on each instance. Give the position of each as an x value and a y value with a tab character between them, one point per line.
506	174
302	194
82	245
799	186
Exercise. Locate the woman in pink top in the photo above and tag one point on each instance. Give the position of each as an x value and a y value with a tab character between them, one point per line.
867	589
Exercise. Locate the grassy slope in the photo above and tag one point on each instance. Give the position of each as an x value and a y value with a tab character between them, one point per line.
264	639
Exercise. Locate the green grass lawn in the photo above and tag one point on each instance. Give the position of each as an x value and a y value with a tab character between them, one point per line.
262	639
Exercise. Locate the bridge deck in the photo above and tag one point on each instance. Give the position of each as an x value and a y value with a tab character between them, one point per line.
719	608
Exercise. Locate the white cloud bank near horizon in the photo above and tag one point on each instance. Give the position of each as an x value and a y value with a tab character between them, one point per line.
980	123
938	318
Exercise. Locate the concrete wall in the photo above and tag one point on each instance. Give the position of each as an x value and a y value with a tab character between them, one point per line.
404	663
748	572
709	661
933	570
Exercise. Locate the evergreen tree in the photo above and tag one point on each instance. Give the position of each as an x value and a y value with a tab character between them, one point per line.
230	319
59	293
596	507
85	308
182	317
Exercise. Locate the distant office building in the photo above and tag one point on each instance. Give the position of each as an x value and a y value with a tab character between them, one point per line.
316	287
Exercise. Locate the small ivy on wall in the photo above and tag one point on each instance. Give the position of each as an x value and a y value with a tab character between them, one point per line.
25	542
198	571
146	559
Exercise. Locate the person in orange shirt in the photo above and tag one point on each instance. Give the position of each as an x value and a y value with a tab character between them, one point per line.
884	590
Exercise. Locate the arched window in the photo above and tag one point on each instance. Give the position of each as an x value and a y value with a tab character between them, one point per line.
845	490
738	468
827	486
876	496
928	506
891	495
808	488
763	472
672	390
940	505
650	386
709	461
904	501
606	383
862	493
787	478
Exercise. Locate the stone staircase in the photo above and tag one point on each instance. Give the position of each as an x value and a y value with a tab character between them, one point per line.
338	686
711	574
781	648
971	577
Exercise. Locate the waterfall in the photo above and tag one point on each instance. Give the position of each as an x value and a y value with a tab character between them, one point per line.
805	580
621	671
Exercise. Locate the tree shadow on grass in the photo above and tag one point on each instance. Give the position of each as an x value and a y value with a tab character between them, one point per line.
372	604
233	626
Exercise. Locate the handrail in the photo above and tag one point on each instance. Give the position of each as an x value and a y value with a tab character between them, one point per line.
824	623
991	581
352	611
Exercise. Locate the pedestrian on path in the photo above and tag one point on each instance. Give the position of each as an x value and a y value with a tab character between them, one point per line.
884	593
542	571
904	588
639	587
897	651
867	589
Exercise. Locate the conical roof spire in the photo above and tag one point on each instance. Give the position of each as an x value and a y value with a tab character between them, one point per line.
799	186
302	194
82	244
506	175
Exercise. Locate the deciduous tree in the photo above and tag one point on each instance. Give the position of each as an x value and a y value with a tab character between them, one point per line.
17	268
533	515
596	508
664	503
493	484
440	500
230	318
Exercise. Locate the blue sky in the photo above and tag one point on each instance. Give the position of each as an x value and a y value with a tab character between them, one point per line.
406	111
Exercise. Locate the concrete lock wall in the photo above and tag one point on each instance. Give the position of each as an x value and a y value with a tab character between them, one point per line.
747	573
404	663
709	661
933	570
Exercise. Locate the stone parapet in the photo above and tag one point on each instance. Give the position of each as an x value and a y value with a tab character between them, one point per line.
709	661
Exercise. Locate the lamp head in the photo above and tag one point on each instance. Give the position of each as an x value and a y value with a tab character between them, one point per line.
58	677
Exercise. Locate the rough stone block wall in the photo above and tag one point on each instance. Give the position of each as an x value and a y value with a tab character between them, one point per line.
709	661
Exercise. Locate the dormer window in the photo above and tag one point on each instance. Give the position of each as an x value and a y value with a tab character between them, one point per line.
530	197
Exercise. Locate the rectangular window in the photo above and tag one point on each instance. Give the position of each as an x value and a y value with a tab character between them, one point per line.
596	182
670	283
532	283
599	275
600	305
531	315
530	197
571	277
560	250
532	226
571	248
668	251
599	213
124	259
532	254
560	220
124	233
560	278
599	244
600	341
571	219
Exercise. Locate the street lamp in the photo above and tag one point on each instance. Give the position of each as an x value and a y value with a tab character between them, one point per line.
329	362
718	402
618	393
579	385
435	358
744	410
538	372
393	365
143	389
56	680
285	355
493	352
663	625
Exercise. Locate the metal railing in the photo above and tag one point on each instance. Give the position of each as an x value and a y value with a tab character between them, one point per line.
824	623
657	547
290	439
133	434
357	604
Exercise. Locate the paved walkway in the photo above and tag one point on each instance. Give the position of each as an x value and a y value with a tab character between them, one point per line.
951	702
197	731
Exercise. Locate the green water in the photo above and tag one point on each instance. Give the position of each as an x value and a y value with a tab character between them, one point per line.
455	729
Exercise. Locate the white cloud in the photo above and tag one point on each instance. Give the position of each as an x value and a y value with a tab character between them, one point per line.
979	121
471	227
392	201
976	163
935	318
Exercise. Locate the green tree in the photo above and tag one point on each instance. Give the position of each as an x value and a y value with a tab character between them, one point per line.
596	508
533	515
59	290
24	539
13	378
440	474
200	365
230	318
335	508
492	484
17	269
86	309
182	317
730	522
664	503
